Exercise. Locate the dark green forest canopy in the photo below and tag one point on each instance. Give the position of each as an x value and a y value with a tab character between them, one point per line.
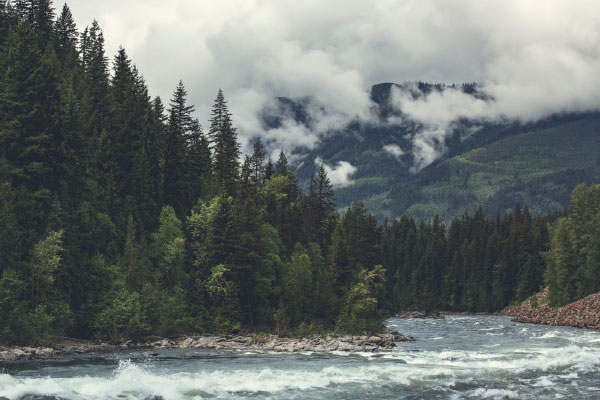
121	218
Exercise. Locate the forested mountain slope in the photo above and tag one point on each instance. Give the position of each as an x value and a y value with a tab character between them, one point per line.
537	163
539	168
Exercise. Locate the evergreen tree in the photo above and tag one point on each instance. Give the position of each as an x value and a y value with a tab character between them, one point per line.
257	161
66	30
225	147
282	164
43	15
319	209
197	165
269	169
30	131
179	124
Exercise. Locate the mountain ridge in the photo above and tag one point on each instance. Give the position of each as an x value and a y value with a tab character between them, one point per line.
389	187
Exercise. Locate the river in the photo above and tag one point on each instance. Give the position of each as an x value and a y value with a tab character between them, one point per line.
459	357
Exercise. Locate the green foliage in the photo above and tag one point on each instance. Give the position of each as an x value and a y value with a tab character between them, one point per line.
123	318
168	249
41	324
13	310
45	260
222	292
296	285
166	311
265	287
361	311
573	259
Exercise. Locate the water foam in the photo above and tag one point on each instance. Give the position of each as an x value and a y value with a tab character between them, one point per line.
462	365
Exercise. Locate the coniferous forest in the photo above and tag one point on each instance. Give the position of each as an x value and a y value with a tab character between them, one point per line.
123	216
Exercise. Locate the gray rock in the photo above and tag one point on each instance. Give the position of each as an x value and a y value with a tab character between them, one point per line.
17	353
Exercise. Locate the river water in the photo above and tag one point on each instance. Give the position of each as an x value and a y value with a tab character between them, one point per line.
460	357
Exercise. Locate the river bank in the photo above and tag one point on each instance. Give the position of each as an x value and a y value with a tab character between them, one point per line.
583	313
316	343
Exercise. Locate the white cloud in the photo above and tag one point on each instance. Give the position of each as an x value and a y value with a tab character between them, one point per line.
340	174
532	58
394	150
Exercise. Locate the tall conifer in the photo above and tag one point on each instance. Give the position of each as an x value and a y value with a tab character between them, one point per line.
179	124
225	147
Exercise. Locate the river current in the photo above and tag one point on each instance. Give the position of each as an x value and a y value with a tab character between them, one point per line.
459	357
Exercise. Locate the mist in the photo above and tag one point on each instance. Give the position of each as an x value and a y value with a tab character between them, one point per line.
533	59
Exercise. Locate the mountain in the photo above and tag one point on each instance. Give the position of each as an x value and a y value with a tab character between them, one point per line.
495	165
538	169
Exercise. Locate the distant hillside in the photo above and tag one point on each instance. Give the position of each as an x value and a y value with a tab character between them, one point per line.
537	164
538	169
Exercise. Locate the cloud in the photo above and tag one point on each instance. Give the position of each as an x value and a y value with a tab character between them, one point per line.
533	59
394	150
340	174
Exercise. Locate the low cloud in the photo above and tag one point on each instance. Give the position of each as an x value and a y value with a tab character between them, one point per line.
532	59
340	174
394	150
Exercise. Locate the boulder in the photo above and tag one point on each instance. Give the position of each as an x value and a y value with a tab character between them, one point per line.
375	339
17	353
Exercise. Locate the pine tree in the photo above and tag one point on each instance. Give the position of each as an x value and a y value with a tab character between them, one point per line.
225	147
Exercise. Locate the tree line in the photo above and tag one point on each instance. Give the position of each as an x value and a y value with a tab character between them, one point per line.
121	217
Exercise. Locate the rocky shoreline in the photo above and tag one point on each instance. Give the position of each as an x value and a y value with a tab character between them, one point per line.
420	315
584	313
316	343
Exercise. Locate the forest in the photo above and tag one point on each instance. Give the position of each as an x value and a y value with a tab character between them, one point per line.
122	217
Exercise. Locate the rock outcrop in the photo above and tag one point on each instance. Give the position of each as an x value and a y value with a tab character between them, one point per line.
420	314
584	313
316	343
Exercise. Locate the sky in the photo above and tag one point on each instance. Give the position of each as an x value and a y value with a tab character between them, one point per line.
533	58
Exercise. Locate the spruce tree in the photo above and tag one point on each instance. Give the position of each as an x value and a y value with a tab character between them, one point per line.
179	124
319	209
66	30
225	147
269	169
282	164
43	15
95	64
197	165
30	131
257	161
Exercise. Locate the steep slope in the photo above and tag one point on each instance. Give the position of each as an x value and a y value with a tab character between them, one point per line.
538	169
536	164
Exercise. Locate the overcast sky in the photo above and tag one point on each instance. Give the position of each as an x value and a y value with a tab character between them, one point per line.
534	57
